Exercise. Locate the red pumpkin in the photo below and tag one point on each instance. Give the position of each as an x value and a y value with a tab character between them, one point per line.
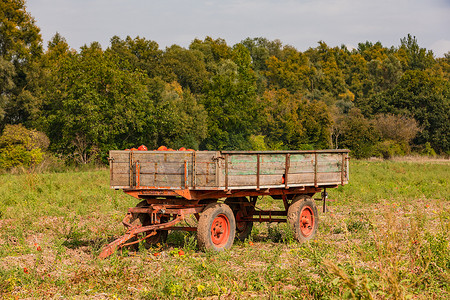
142	148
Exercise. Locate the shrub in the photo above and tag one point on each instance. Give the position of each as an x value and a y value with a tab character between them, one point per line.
21	147
427	150
389	148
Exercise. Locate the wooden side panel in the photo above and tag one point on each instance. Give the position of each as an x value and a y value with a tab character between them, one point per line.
302	169
163	169
212	169
119	168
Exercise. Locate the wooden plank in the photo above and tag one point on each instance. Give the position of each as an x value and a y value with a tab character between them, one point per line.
249	158
304	178
162	156
205	168
206	181
164	168
119	156
162	180
121	167
328	167
265	180
302	157
120	179
329	177
206	156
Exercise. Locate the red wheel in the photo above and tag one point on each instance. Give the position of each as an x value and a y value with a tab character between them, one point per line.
216	227
307	221
220	230
243	228
303	218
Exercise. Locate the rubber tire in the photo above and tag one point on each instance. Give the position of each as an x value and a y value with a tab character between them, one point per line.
241	234
160	236
205	223
300	203
302	197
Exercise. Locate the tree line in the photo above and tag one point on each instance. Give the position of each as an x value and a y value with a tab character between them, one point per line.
258	94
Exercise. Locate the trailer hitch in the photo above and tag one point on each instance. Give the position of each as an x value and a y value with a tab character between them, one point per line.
133	231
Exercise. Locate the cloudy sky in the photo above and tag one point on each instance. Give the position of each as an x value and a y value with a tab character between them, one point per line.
300	23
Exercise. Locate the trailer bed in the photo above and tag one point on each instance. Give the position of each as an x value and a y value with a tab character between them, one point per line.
227	170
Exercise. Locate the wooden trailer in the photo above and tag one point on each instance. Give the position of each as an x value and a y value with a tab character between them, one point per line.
221	189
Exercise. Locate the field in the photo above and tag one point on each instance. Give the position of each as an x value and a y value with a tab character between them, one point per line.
386	236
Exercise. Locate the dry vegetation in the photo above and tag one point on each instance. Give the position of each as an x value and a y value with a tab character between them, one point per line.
385	237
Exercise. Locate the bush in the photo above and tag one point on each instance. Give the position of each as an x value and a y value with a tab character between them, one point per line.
21	147
389	148
428	150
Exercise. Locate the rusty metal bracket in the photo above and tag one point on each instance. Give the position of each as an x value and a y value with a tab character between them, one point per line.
324	195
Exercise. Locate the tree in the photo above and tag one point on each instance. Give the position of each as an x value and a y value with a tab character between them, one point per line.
290	122
327	72
20	38
20	47
415	58
7	74
230	102
396	133
261	49
280	121
97	104
180	120
427	99
358	134
139	53
187	67
215	51
290	72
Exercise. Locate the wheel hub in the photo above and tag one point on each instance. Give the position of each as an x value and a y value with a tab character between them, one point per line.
220	230
306	221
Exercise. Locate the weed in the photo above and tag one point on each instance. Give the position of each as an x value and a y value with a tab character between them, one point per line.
190	243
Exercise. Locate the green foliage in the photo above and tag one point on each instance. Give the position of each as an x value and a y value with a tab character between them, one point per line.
179	119
20	48
428	150
427	99
21	147
21	39
416	58
139	53
186	67
257	94
389	148
290	122
231	103
358	134
291	72
96	104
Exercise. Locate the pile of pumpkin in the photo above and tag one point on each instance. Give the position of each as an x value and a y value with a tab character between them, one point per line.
161	148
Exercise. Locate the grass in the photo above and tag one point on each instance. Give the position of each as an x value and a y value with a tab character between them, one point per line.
386	236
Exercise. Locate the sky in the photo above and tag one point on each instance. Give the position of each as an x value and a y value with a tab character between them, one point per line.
301	23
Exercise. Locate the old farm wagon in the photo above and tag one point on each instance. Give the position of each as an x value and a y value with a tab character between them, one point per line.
221	189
